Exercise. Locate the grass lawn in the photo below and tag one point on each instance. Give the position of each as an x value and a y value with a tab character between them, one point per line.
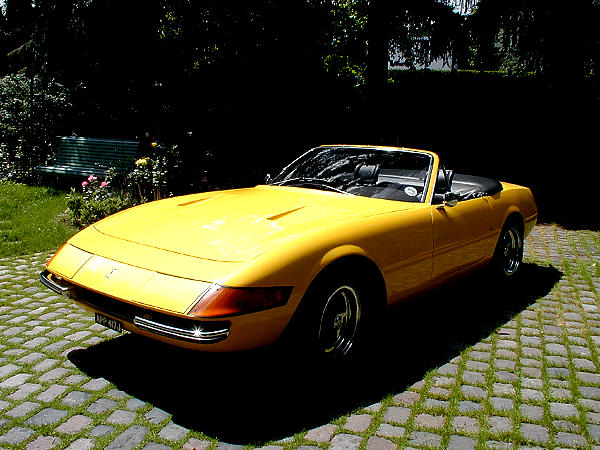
32	219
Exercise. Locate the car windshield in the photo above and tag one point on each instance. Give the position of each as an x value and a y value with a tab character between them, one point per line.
391	174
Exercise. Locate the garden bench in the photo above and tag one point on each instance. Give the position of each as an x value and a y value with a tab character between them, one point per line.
81	156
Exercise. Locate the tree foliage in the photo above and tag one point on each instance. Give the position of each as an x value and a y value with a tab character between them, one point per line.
225	70
30	109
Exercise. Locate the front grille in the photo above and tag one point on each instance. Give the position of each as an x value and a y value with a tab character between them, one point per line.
128	312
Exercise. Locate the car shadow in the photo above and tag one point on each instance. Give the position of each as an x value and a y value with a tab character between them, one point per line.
269	394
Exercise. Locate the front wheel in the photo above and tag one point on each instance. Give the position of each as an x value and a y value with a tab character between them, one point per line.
334	317
508	255
339	319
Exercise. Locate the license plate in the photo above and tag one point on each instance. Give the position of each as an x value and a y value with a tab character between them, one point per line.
109	323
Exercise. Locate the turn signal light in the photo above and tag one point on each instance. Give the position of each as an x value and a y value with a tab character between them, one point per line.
219	301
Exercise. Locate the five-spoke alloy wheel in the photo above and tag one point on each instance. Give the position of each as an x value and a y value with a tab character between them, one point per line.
339	321
508	256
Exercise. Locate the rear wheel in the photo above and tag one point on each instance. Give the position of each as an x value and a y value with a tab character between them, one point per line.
508	255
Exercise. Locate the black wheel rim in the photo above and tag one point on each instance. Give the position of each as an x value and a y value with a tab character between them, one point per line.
512	251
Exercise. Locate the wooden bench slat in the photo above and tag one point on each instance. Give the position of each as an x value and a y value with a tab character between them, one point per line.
86	156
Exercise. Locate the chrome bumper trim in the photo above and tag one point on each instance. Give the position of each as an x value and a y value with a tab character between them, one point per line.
195	335
52	285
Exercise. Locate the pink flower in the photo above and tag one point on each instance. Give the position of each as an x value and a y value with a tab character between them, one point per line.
92	178
103	184
84	184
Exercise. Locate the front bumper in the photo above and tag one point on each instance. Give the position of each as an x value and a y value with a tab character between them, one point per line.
140	319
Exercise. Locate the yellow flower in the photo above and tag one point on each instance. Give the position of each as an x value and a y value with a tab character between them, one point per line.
154	144
142	162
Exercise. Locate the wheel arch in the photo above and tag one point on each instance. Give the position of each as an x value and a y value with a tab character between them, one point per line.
357	264
515	217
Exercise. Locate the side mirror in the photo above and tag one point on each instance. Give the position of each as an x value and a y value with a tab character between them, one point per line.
450	199
267	178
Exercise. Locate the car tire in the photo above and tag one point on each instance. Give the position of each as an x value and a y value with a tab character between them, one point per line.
335	318
508	254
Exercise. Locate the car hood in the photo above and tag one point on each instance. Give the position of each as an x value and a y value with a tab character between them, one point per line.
237	225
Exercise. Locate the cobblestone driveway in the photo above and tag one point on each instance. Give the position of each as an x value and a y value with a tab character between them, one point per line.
464	367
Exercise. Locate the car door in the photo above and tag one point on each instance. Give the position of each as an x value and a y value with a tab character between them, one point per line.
405	250
462	235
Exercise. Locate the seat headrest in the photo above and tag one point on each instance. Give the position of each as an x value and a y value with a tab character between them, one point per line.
367	173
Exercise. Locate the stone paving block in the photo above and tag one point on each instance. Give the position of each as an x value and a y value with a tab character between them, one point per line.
173	432
432	403
24	391
461	443
22	409
15	381
44	365
156	415
378	443
96	384
387	430
407	398
101	405
16	435
498	424
535	433
196	444
429	421
47	416
76	398
594	431
397	414
473	392
425	439
101	430
30	358
501	403
571	440
129	438
53	375
321	434
8	369
121	417
467	406
563	410
155	446
345	442
81	444
51	393
561	394
531	412
590	392
74	424
532	395
465	424
358	422
43	443
503	389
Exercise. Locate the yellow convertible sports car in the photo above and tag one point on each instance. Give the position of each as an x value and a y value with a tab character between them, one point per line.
318	251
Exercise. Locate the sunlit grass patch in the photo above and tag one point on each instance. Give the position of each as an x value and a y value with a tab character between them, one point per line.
31	219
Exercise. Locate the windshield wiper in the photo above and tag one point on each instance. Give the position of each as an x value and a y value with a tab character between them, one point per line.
311	181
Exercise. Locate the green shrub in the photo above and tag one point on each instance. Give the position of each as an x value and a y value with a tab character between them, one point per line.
96	201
